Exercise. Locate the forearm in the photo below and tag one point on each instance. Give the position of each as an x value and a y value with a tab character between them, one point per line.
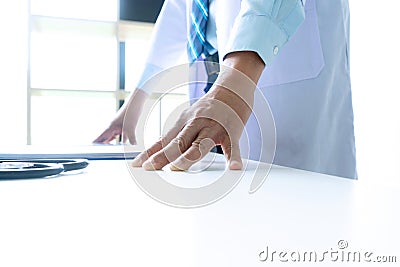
133	105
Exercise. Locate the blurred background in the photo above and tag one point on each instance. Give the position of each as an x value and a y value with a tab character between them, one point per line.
67	65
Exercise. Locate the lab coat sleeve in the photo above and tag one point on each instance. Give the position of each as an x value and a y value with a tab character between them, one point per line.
168	41
265	26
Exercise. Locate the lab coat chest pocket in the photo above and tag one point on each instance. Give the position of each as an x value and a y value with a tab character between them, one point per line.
301	58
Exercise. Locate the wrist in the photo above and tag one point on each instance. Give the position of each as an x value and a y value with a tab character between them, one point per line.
247	62
239	74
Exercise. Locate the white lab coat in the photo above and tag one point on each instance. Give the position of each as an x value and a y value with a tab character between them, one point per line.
307	86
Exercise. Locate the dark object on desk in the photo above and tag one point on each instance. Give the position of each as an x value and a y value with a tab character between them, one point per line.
38	168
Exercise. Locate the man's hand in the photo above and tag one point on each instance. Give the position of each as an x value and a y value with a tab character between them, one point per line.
218	118
131	110
113	131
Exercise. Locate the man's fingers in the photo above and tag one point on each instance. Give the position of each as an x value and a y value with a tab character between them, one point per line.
107	136
101	138
198	150
201	146
158	146
232	152
145	155
174	149
129	136
142	157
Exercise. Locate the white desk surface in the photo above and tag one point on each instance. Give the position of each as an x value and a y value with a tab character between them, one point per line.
101	218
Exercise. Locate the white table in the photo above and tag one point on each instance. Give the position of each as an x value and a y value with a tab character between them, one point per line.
101	218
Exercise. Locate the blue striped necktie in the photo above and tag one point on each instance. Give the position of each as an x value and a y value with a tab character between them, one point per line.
197	32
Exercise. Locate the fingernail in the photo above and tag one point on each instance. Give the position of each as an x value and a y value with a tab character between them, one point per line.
175	168
235	165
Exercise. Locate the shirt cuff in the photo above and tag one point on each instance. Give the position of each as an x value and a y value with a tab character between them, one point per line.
262	34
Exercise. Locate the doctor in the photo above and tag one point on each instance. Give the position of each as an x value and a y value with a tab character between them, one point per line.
296	51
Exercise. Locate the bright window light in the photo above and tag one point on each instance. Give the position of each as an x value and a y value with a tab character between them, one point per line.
73	61
105	10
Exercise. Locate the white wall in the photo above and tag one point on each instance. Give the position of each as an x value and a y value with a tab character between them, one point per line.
375	59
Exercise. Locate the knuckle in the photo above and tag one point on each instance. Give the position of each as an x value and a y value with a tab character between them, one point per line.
202	145
196	143
162	142
181	142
